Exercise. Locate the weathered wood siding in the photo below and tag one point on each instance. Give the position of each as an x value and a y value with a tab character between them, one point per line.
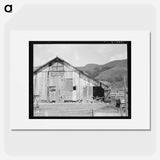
60	82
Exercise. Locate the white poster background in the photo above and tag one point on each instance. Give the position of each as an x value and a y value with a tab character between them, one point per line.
140	78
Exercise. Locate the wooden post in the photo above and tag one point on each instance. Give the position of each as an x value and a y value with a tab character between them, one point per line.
92	112
125	90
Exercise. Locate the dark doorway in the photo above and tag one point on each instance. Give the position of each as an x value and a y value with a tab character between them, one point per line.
98	91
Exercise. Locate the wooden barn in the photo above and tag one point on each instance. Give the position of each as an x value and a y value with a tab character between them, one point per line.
58	81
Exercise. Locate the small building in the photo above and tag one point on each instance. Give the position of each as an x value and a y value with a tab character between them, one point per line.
58	81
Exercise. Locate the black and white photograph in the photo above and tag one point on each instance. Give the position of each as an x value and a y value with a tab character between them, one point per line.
80	79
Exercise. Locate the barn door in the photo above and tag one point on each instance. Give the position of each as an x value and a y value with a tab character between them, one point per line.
59	89
68	89
56	89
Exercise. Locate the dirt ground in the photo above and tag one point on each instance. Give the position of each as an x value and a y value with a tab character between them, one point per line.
76	109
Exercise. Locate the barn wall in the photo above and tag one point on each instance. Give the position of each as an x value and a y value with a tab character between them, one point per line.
69	83
40	85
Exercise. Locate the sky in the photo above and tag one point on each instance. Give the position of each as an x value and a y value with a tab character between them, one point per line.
79	54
